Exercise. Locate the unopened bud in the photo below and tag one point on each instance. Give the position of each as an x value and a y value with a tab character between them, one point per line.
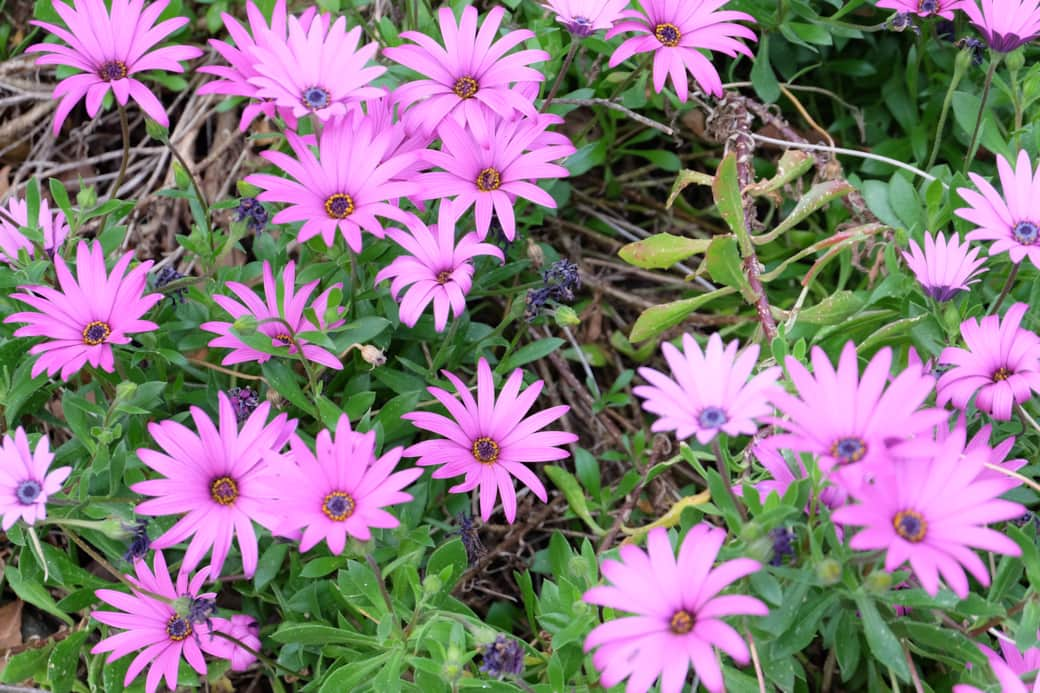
566	316
372	355
1015	60
828	571
125	390
86	198
431	585
878	582
245	323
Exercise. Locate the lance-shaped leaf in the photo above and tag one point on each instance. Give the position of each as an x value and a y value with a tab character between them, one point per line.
818	196
686	178
792	165
662	250
653	321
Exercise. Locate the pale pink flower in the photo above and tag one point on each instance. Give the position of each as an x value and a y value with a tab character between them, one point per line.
25	482
1011	221
944	268
54	226
239	626
1005	24
583	18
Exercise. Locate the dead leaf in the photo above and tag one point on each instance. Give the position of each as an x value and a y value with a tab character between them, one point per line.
11	624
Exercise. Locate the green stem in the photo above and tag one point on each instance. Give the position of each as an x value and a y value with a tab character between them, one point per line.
561	75
124	125
1005	291
994	60
380	581
720	462
959	67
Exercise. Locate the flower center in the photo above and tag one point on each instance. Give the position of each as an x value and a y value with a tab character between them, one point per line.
681	622
711	417
928	6
339	206
28	491
1025	232
338	506
1002	374
466	87
112	70
848	450
285	339
580	26
315	98
96	332
910	525
668	34
489	179
224	490
443	277
178	628
485	450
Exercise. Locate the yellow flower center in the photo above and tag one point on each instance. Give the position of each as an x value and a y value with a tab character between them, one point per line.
489	179
338	506
681	622
668	34
466	87
96	332
224	490
910	525
339	206
485	450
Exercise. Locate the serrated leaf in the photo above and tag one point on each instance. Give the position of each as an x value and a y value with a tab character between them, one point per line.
662	250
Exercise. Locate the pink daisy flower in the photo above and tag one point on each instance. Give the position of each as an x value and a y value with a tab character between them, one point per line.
317	70
677	31
944	268
1011	669
1005	24
233	80
239	626
217	478
783	474
489	164
93	311
677	613
931	513
489	440
709	391
469	73
25	482
846	420
109	48
152	626
16	215
1001	364
350	182
340	489
280	317
583	18
1012	222
436	269
925	8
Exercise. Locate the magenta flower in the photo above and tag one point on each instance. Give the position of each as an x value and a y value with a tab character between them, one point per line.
583	18
93	311
1009	670
25	482
1005	24
15	215
944	268
109	48
152	626
318	70
783	475
489	440
489	164
436	269
234	79
471	72
1001	364
677	31
217	478
846	420
709	391
1012	222
678	610
340	489
345	187
932	513
282	320
925	8
239	626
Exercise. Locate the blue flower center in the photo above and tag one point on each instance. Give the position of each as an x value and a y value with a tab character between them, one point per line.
339	206
338	506
96	332
315	98
928	6
848	450
112	70
910	525
466	87
28	491
1025	232
178	628
668	34
712	417
485	450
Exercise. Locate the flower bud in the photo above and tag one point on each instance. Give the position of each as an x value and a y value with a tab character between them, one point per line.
1015	60
125	390
245	324
431	585
828	571
565	316
878	582
372	355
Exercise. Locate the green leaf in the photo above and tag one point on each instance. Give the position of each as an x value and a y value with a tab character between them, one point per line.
317	634
574	493
349	676
30	664
662	250
320	567
792	165
34	593
64	661
284	383
653	321
952	645
832	310
724	265
880	639
529	352
817	197
726	191
686	178
451	554
762	77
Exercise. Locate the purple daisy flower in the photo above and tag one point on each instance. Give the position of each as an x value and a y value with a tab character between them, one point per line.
241	627
709	391
217	478
93	311
151	624
677	609
1005	24
1001	364
436	269
350	182
932	513
490	163
110	48
280	317
16	215
1010	669
944	268
25	482
469	73
489	440
846	420
925	8
317	70
340	490
1011	221
676	31
583	18
782	475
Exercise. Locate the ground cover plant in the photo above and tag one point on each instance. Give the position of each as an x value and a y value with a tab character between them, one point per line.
543	346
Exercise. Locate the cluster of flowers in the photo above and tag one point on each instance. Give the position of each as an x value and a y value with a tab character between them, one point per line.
1004	24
